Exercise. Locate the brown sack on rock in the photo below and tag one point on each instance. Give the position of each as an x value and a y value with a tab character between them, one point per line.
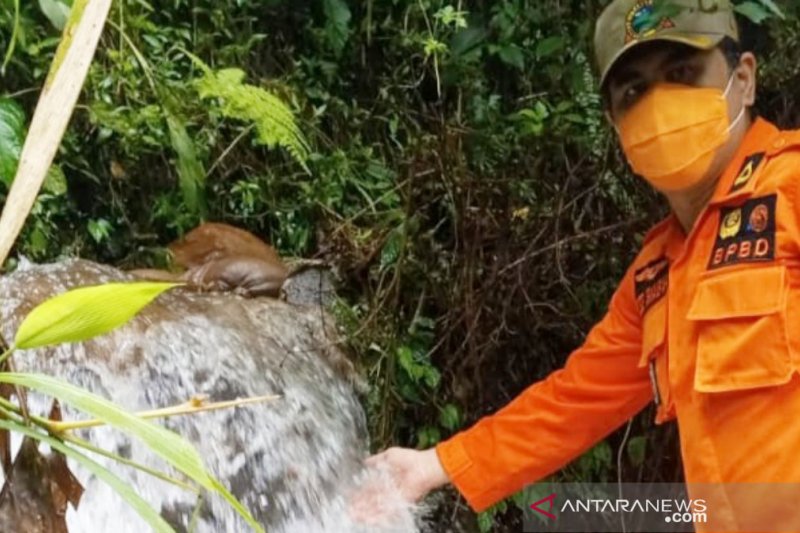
245	275
221	258
213	241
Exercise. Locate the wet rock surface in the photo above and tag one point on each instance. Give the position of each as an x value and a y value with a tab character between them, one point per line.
290	461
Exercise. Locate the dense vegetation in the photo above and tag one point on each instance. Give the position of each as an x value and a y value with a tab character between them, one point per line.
452	162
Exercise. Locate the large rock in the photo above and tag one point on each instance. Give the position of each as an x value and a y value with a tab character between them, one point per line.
290	461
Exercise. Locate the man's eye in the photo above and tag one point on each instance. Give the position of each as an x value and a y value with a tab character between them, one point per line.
631	95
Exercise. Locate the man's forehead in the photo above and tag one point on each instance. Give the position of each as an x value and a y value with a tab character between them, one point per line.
649	56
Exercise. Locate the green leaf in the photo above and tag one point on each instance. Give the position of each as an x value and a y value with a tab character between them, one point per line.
56	12
55	182
191	174
12	135
597	461
549	46
451	17
99	229
273	120
431	375
84	313
237	505
417	368
637	448
11	45
485	522
166	444
752	10
512	55
405	358
450	417
772	6
392	248
337	25
428	436
467	41
150	515
433	47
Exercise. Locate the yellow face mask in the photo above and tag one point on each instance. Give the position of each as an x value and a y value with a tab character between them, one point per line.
672	134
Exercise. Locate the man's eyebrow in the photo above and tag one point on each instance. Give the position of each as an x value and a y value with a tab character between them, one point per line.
625	76
679	54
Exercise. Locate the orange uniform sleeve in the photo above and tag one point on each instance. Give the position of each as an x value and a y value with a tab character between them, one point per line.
557	419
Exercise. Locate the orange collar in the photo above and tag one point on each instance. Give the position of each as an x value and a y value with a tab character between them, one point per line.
737	181
740	177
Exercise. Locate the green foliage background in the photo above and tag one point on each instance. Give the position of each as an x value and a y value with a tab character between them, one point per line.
454	164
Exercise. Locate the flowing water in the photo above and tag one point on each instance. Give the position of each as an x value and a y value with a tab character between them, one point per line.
293	462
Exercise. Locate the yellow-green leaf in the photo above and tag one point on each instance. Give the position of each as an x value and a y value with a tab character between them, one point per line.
84	313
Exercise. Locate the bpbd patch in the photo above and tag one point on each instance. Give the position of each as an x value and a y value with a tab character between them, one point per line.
651	283
746	234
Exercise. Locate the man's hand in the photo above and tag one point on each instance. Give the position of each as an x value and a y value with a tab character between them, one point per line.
414	472
395	480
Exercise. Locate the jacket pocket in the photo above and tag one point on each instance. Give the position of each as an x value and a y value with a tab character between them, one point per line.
741	320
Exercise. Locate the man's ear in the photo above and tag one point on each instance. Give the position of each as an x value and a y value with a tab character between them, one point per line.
747	74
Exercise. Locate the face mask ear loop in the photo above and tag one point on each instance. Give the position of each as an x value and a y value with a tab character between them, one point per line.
730	84
736	120
725	95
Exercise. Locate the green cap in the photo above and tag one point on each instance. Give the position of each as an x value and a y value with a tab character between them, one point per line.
627	23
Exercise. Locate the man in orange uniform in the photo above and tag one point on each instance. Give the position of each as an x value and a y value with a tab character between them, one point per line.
706	322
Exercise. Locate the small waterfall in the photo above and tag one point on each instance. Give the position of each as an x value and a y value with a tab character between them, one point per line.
292	462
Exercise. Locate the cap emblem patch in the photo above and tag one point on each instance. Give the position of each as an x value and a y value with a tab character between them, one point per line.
642	21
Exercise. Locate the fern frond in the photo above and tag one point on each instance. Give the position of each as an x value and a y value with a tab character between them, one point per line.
274	122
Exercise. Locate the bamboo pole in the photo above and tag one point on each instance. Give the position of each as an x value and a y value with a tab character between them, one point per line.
56	103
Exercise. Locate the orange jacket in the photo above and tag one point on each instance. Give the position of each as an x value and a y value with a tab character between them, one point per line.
707	325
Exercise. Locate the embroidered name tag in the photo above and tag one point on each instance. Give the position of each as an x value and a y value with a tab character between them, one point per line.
746	234
651	283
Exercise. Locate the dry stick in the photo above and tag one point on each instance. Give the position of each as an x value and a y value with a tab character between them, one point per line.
228	150
193	406
594	233
60	93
